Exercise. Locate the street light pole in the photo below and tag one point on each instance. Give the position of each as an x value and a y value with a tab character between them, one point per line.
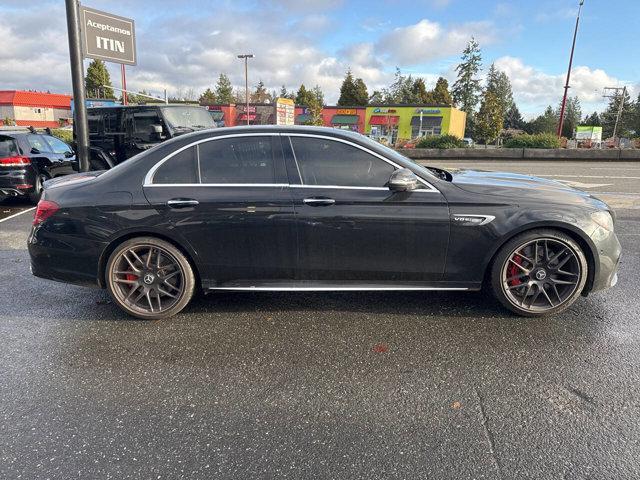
566	86
77	80
246	57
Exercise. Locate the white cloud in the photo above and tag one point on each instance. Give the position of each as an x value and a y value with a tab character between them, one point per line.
534	89
428	40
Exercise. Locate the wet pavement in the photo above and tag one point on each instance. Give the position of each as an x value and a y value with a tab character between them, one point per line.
299	385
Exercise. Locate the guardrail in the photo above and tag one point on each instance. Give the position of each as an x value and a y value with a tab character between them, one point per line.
537	154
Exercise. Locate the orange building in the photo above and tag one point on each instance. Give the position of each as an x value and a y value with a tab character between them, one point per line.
35	108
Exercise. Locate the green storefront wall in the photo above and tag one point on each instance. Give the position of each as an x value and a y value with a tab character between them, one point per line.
453	120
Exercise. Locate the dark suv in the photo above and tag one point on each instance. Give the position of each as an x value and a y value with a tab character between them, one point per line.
28	158
118	133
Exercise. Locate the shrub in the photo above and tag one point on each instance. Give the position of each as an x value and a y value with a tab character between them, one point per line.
64	135
440	141
540	140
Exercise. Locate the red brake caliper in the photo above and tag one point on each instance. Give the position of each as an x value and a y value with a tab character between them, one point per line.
513	270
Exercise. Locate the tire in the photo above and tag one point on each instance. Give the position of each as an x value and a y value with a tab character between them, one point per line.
34	197
539	273
149	278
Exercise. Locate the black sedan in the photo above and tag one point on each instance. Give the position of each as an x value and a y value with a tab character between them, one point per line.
28	159
316	209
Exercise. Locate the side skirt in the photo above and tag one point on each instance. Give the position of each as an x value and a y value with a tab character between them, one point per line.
340	287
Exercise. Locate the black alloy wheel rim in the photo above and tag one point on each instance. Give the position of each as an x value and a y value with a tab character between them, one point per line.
147	279
541	274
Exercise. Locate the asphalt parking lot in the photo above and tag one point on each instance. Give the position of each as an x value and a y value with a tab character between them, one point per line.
351	385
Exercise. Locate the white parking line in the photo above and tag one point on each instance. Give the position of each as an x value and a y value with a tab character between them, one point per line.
589	176
16	214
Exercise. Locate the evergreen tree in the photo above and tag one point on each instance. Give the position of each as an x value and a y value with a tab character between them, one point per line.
260	95
224	90
348	90
513	119
466	89
419	91
572	116
314	109
635	121
318	94
207	97
304	97
498	82
626	123
592	120
545	123
376	97
362	95
440	94
284	93
401	90
97	76
490	118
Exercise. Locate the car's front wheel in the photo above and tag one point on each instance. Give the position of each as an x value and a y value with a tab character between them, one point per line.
149	278
537	273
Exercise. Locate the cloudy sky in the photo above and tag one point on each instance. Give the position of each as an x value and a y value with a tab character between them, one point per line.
184	45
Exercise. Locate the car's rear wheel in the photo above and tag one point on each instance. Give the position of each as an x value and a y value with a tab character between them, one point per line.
539	273
34	196
149	278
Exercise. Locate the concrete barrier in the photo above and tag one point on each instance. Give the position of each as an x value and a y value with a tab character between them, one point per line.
524	154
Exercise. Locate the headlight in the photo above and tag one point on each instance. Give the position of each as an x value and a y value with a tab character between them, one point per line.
604	219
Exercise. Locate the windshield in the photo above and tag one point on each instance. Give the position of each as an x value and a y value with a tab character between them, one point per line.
192	118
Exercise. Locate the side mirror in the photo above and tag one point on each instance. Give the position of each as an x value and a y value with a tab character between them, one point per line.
35	150
68	154
403	180
156	129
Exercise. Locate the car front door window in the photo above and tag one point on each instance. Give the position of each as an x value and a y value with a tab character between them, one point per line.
328	162
58	146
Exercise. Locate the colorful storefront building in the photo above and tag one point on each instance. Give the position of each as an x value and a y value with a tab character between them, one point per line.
392	123
345	118
388	123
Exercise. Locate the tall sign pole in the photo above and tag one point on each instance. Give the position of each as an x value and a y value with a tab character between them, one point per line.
566	86
81	126
246	57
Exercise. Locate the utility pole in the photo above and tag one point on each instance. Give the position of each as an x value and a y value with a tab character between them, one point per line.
566	85
80	124
615	95
246	57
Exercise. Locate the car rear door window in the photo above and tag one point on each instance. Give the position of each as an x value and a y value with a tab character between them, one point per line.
180	169
38	142
57	145
323	161
238	160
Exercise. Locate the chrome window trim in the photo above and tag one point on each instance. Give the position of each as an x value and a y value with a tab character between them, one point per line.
148	179
430	188
279	185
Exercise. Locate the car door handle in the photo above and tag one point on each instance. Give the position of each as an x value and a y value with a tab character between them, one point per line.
319	202
182	202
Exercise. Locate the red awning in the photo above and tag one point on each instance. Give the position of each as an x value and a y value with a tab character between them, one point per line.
384	120
243	116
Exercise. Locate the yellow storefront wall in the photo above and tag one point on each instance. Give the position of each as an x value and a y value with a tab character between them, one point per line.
453	120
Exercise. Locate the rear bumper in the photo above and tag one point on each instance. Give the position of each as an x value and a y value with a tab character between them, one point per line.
17	181
64	258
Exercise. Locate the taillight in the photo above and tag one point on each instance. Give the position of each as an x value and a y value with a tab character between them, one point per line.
45	209
14	161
